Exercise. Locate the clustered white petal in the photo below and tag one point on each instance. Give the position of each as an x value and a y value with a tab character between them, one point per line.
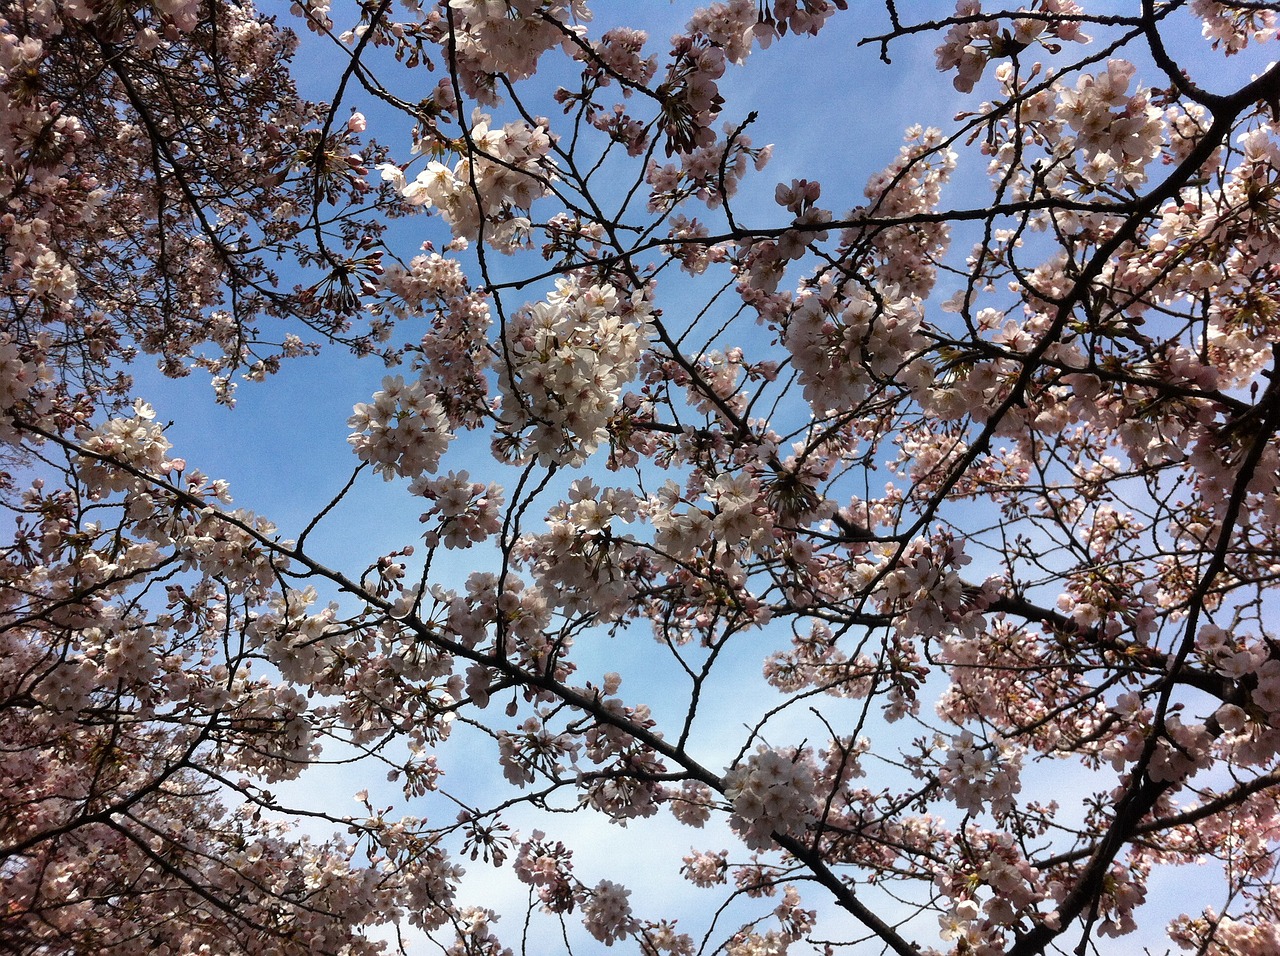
607	914
403	432
569	357
771	791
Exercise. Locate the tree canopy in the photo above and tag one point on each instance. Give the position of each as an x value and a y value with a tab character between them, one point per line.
904	539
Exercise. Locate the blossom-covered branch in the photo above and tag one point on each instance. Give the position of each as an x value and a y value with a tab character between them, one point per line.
906	533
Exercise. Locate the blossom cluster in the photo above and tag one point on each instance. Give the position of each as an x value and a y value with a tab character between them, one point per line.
1118	133
506	170
491	41
846	342
982	777
20	381
973	42
580	559
468	511
607	913
568	359
403	432
771	792
137	443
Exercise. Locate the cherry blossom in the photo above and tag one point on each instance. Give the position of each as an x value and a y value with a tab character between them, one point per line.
904	523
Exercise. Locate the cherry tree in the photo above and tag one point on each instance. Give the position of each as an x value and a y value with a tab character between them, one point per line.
969	459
